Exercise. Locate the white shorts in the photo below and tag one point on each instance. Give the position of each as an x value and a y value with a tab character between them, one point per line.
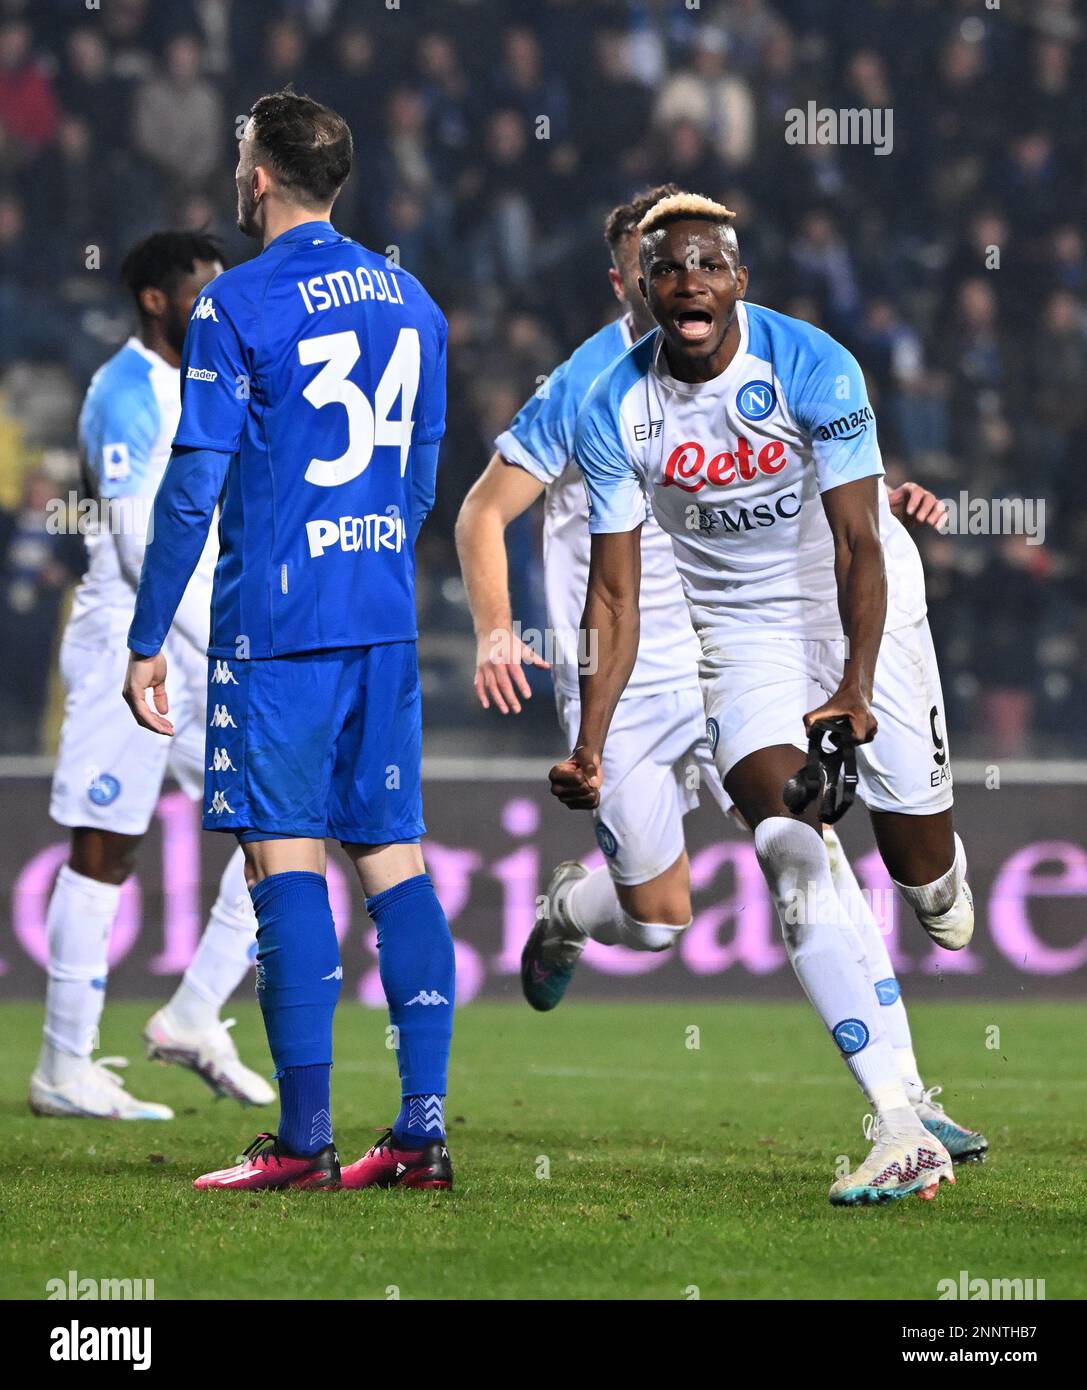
656	759
109	770
758	691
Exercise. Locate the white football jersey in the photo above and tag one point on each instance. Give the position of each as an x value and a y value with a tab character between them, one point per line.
126	426
541	441
733	469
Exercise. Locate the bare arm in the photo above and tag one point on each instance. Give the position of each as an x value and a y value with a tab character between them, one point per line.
611	623
500	494
852	511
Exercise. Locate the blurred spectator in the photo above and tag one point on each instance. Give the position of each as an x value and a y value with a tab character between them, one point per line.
36	565
178	121
28	105
714	100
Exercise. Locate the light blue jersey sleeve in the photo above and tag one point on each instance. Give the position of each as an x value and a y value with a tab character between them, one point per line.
616	498
540	438
118	427
829	400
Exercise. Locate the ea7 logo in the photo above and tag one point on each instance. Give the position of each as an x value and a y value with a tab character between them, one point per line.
650	430
222	718
205	309
220	761
223	675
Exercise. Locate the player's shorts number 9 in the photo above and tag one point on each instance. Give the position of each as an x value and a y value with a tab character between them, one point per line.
367	425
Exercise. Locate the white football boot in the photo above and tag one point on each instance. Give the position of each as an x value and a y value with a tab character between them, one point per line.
952	929
92	1092
905	1158
211	1054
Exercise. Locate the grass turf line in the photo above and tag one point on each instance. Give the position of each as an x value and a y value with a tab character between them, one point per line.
670	1168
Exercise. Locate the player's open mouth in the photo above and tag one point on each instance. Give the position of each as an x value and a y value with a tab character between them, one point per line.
693	325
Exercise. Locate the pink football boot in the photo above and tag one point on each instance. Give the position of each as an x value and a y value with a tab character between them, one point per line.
267	1164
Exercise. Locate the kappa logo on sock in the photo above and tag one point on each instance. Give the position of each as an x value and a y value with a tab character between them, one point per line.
336	974
427	997
851	1035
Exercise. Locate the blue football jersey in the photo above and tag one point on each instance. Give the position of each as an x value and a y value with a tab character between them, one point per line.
321	369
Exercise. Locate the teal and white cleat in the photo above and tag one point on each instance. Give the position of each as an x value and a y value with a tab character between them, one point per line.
94	1093
554	945
904	1160
964	1145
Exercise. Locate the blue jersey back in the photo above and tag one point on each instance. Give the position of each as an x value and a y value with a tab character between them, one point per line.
322	370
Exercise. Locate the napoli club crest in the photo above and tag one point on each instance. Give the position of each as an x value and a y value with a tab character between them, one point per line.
756	400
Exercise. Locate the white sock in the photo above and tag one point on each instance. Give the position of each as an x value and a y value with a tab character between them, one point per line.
827	955
223	955
935	898
593	908
648	936
878	967
78	924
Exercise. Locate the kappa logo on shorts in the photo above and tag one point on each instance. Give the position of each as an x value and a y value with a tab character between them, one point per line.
223	675
606	840
219	805
104	789
222	718
220	762
851	1035
713	733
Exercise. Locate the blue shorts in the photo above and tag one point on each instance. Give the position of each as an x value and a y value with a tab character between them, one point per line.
319	745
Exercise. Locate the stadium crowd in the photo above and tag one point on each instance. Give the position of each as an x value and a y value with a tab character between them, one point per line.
491	139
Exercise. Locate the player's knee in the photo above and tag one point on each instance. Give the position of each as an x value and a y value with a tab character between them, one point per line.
649	936
104	857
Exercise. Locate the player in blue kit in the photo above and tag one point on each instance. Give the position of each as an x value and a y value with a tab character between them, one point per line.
313	403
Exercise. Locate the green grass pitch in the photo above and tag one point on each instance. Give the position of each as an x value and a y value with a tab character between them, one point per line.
597	1156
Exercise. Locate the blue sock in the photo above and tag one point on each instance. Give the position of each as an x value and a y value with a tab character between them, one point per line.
305	1119
418	972
298	985
420	1122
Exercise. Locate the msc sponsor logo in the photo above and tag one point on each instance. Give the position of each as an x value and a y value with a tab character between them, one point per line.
205	309
712	520
756	400
687	466
375	531
850	426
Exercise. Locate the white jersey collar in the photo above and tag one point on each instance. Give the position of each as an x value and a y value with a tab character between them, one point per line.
158	364
716	384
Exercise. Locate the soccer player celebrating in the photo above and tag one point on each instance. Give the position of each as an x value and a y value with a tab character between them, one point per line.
313	400
109	773
657	738
753	437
